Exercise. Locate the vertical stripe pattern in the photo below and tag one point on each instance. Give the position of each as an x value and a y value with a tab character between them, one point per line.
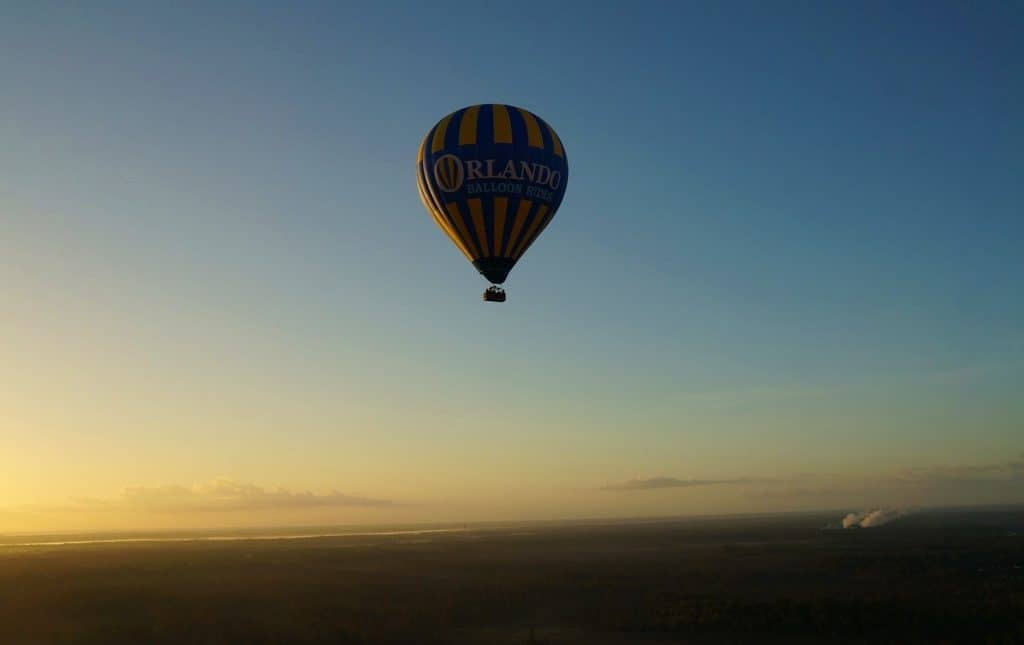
492	177
467	126
502	124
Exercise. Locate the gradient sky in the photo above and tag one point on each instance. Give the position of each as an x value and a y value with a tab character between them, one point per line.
787	272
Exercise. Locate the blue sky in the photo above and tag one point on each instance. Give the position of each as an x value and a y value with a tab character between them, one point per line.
790	242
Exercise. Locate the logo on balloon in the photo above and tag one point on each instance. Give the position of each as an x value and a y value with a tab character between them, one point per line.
448	173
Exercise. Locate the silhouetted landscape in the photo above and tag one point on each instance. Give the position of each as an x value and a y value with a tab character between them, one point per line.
935	576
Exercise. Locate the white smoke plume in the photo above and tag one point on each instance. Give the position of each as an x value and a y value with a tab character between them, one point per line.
870	519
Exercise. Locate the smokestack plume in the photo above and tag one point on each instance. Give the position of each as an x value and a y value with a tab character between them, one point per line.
871	519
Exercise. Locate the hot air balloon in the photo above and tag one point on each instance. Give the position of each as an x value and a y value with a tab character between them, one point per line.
492	177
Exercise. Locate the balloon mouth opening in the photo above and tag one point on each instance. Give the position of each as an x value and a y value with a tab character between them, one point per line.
494	269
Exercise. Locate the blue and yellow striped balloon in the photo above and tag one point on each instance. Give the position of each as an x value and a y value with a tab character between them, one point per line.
492	177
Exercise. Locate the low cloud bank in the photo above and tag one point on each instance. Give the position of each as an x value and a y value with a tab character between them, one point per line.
651	483
1011	471
871	519
221	495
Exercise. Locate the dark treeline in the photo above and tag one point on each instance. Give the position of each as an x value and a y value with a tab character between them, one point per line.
949	579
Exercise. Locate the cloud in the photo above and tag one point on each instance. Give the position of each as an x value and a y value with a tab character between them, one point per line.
797	492
1007	471
219	495
652	483
978	483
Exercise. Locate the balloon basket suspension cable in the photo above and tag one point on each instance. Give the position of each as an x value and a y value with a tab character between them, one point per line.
494	293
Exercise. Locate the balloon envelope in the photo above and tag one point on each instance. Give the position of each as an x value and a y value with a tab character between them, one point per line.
492	177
